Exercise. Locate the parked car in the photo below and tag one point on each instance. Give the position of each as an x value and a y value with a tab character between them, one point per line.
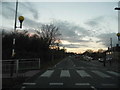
100	59
108	59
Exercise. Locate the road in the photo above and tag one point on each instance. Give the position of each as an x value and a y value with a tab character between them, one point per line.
73	73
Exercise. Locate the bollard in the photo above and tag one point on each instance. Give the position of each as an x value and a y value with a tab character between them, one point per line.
17	66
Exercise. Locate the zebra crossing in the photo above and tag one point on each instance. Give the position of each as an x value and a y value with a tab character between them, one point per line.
82	73
64	78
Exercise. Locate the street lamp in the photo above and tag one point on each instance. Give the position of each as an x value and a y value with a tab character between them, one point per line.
118	34
117	8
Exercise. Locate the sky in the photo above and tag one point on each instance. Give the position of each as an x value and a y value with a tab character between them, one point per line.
83	25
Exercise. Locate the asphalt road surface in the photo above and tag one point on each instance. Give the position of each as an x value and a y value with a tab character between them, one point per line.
73	73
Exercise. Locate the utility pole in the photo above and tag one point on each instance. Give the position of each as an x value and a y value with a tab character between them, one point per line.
110	57
111	43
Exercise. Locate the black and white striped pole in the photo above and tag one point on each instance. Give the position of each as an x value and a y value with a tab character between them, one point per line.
21	19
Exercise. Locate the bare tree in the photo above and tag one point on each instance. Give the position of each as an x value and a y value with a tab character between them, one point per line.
49	33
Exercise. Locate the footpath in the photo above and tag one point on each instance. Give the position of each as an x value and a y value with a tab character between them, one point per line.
114	66
25	74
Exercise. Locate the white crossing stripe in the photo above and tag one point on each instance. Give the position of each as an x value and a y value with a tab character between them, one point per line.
23	87
55	83
65	73
48	73
82	73
101	74
29	83
93	88
82	84
113	73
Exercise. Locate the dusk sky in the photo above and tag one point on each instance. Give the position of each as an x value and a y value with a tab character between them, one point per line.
83	25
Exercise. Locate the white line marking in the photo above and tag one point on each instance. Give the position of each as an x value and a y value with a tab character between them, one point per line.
29	83
82	73
114	73
22	88
65	73
82	84
48	73
101	74
93	88
55	83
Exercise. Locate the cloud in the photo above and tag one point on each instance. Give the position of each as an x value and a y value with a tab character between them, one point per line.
8	9
73	45
31	23
30	8
92	23
95	21
105	39
103	24
71	32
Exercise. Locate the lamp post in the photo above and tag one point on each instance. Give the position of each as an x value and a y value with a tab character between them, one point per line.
118	34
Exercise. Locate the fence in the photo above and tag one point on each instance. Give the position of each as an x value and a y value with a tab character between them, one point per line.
19	65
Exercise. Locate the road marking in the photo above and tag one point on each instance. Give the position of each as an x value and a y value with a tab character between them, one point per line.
23	87
55	83
48	73
114	73
81	84
93	88
82	73
65	73
29	83
101	74
108	84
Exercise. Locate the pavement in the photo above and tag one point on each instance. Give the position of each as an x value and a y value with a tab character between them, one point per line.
114	66
27	74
